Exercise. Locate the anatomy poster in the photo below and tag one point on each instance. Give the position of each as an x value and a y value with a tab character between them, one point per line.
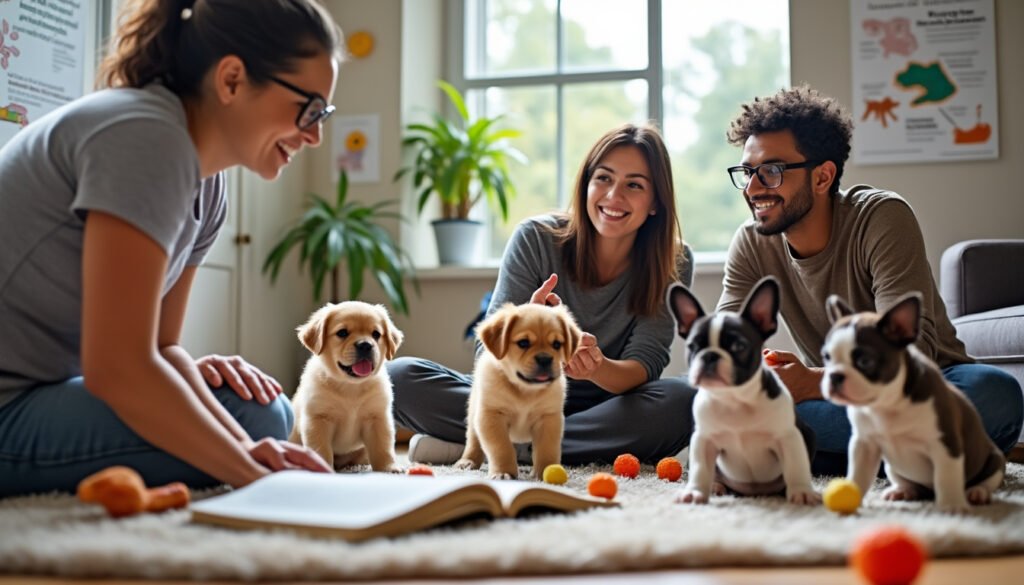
924	81
42	54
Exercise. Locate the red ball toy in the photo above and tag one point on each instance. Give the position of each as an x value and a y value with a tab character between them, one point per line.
888	555
626	465
669	469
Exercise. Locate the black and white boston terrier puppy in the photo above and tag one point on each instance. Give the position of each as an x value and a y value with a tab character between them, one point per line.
903	411
746	436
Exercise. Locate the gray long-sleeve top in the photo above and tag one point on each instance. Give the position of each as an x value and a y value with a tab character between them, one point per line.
532	255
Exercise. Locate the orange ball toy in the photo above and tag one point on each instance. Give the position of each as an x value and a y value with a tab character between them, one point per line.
670	469
602	485
420	470
889	555
627	465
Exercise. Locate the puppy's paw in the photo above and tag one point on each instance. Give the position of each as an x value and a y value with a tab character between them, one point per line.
953	506
393	468
803	495
718	489
898	494
466	464
691	496
979	495
501	475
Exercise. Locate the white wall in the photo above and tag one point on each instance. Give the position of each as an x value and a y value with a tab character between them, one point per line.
954	201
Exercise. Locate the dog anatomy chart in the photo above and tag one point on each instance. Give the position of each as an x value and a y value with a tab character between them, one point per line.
924	81
42	54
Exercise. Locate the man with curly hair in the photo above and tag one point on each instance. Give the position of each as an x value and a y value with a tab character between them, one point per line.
862	243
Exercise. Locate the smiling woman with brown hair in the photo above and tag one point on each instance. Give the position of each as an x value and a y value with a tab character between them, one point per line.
107	206
610	260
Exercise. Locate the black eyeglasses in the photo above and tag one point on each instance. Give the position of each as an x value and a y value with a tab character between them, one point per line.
315	110
770	174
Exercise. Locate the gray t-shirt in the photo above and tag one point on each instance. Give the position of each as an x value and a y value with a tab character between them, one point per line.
874	256
532	255
126	152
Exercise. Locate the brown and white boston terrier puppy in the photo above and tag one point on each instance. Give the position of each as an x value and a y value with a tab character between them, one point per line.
746	436
903	411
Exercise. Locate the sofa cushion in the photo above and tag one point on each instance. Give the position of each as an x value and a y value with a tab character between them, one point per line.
993	334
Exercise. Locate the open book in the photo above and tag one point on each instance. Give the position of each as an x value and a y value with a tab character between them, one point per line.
367	505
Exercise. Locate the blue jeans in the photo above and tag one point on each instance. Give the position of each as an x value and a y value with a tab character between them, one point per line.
51	437
995	393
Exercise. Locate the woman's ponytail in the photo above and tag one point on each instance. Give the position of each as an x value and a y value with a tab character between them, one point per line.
177	41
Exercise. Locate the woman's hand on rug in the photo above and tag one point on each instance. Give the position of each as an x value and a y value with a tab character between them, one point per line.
245	379
280	455
544	296
803	383
587	359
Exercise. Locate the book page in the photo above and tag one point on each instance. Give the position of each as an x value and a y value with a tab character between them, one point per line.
338	501
517	495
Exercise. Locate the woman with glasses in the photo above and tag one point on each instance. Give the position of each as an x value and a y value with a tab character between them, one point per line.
107	206
610	260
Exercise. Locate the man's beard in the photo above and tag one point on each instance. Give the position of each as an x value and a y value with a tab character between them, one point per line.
792	212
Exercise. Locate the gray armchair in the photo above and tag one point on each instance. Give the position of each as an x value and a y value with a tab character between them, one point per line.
982	284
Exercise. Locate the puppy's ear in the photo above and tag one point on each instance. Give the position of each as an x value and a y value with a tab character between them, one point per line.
836	308
762	306
495	332
684	307
901	324
571	332
311	334
392	337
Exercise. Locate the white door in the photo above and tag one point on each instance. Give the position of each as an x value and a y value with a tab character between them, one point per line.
211	320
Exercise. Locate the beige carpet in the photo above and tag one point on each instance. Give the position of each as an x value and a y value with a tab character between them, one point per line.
55	535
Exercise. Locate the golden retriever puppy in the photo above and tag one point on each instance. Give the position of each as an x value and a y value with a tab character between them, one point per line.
518	388
343	404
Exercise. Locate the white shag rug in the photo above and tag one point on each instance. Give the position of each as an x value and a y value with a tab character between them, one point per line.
55	535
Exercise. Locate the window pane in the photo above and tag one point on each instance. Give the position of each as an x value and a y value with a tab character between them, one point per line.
590	110
604	34
531	110
509	37
716	59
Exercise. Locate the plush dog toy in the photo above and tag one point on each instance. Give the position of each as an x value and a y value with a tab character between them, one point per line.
903	411
746	435
122	492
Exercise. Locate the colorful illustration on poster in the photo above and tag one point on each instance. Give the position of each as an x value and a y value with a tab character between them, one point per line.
7	50
935	86
896	34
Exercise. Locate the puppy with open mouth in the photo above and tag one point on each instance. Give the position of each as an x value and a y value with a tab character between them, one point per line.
343	403
518	391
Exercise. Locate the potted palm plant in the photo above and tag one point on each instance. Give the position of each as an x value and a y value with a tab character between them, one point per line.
346	233
462	162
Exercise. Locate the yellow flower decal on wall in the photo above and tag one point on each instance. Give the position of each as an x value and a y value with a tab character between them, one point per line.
355	141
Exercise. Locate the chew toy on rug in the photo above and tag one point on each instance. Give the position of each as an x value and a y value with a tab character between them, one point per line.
122	492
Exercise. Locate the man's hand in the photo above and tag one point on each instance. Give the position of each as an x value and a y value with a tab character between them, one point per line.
544	296
587	359
244	378
803	383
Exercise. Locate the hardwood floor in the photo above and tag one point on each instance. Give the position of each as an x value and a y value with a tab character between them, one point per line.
993	571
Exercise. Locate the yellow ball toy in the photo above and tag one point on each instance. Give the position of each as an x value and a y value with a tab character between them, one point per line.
555	474
842	496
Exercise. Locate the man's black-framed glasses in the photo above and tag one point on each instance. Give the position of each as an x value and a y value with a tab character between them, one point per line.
770	174
314	111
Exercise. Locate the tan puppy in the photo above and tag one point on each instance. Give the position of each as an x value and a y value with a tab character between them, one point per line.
519	388
343	404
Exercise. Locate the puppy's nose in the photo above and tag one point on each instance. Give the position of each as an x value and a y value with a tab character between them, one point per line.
836	379
543	360
364	346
